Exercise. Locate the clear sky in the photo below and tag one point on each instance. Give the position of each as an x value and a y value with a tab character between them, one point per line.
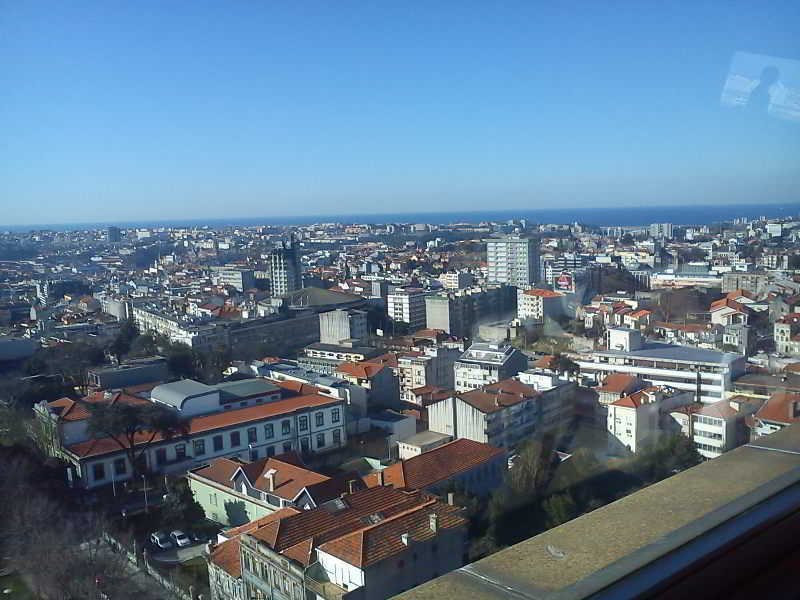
170	109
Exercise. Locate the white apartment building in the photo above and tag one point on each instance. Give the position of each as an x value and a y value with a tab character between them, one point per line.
684	368
407	306
535	305
661	230
635	419
787	334
456	280
720	427
503	414
430	366
512	260
484	363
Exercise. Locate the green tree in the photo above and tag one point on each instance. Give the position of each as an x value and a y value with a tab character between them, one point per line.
182	363
563	364
180	510
558	509
122	343
133	427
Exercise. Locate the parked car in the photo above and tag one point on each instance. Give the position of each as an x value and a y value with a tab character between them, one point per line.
159	539
180	538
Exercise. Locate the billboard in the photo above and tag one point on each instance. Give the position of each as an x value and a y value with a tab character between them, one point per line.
565	282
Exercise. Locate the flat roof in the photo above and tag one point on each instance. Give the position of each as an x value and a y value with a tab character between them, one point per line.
675	352
425	437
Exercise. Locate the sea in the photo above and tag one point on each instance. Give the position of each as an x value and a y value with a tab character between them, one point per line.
613	216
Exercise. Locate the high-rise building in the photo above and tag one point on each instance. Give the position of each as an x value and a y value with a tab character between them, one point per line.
661	231
513	260
113	234
407	306
460	312
284	267
336	326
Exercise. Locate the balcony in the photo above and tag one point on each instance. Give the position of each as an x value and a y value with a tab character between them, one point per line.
318	582
727	528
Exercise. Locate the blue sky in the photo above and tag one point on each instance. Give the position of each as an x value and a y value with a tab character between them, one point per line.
149	110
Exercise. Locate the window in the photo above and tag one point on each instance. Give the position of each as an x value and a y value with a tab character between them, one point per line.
304	444
320	440
335	415
217	443
286	427
120	466
199	447
271	451
212	499
337	436
320	416
236	439
161	456
287	446
99	471
252	435
302	423
269	431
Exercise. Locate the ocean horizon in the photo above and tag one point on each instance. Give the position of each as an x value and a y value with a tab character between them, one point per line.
627	216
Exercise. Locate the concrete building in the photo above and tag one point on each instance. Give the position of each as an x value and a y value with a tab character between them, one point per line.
456	280
483	364
719	427
236	277
430	366
708	373
419	443
336	326
368	545
284	266
113	235
407	306
635	419
780	410
661	231
503	414
534	306
513	261
459	313
325	358
131	372
786	332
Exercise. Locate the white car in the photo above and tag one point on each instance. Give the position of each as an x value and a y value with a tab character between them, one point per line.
159	539
180	538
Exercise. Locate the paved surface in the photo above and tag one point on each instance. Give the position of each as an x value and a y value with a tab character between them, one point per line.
178	555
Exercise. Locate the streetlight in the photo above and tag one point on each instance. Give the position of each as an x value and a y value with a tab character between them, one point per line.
144	487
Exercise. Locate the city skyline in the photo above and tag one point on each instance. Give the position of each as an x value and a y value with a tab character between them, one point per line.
181	112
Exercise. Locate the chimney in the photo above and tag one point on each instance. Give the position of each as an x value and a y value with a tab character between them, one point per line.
451	498
351	486
404	539
270	475
433	520
379	476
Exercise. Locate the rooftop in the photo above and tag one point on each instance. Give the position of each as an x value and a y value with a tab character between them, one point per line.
675	353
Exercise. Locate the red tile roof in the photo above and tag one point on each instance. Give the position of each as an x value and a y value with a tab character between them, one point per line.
618	383
634	400
437	465
497	396
209	423
780	408
362	370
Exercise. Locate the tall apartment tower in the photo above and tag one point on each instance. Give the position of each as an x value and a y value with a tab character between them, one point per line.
513	260
284	266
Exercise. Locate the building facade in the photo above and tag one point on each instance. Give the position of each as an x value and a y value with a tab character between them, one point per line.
513	261
483	364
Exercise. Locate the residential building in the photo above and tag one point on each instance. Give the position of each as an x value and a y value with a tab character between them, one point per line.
426	366
475	467
284	266
779	411
729	312
512	260
335	326
722	426
708	373
407	306
456	280
534	306
483	364
368	545
738	338
502	414
377	379
460	312
661	230
313	423
787	334
113	235
233	492
236	277
634	420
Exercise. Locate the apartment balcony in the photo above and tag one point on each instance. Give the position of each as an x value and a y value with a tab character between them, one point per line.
727	529
318	582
